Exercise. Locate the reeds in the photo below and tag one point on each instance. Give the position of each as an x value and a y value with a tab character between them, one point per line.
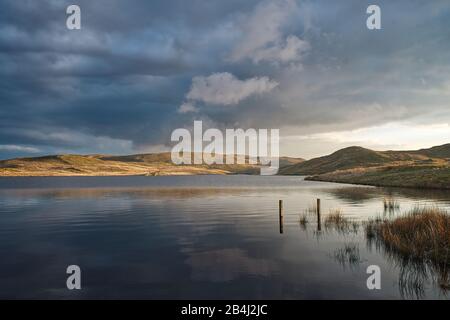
423	233
390	204
421	237
337	221
304	219
312	209
335	217
348	255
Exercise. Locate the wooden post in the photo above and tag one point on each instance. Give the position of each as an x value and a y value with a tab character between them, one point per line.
280	213
319	227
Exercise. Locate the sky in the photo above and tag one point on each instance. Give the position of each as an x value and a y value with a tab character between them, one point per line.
137	70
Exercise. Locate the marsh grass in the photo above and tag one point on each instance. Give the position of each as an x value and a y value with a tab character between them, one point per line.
304	219
312	209
348	255
420	241
336	217
336	220
390	204
309	214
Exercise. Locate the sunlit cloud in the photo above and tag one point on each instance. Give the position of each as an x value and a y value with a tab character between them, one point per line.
390	136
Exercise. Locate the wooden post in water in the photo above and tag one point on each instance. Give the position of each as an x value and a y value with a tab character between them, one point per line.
319	227
280	213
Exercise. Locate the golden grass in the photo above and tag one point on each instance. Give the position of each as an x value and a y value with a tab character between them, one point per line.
435	175
337	221
424	232
97	165
336	218
420	237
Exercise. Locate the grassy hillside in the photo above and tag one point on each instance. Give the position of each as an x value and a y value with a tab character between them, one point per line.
392	176
289	161
436	152
353	157
343	159
425	168
140	158
99	165
104	165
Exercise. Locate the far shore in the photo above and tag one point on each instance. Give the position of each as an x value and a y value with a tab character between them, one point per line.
420	169
189	173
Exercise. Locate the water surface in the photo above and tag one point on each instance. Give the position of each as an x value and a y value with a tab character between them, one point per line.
197	237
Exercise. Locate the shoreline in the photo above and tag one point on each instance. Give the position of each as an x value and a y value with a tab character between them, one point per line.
305	178
312	178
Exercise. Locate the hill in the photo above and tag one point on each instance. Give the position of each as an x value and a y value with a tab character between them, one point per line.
107	165
358	157
437	152
430	177
425	168
343	159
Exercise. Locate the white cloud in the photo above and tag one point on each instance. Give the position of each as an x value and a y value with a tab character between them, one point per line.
390	136
263	39
187	107
12	147
289	51
226	89
394	134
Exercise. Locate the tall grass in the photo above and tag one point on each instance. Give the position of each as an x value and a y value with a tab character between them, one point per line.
390	204
337	221
336	217
303	220
420	238
348	255
312	208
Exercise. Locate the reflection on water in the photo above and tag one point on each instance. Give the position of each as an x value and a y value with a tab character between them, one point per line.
228	264
348	256
414	274
201	237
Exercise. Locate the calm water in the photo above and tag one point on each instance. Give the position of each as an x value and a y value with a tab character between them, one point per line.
214	237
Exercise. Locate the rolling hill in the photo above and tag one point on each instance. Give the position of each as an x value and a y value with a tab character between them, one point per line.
357	157
107	165
425	168
343	159
436	152
431	177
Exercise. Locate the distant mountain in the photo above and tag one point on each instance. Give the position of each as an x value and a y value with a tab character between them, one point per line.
357	157
437	152
289	161
425	168
107	165
343	159
166	158
145	158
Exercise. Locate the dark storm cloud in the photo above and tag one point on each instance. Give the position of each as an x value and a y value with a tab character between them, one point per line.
117	84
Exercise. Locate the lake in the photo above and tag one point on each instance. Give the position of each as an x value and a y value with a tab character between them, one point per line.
199	237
